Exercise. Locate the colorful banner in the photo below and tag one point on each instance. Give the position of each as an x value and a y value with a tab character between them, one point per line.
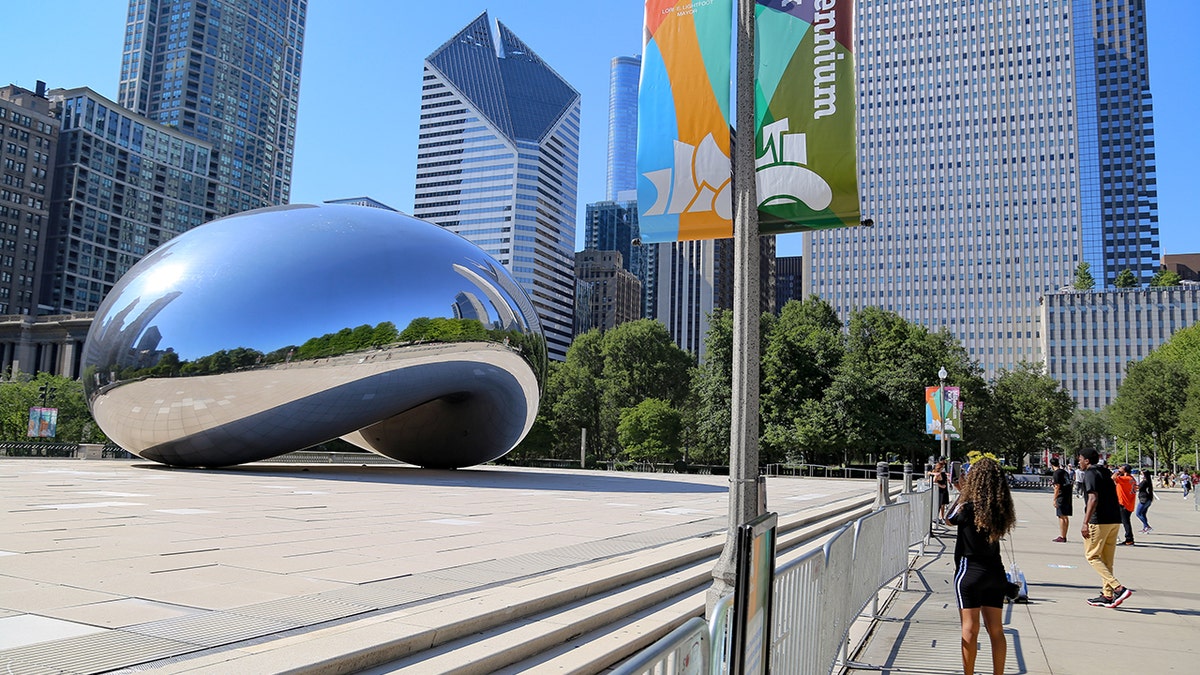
943	405
805	105
805	110
684	175
43	422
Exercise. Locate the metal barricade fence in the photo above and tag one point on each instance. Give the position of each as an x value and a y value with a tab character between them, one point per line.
816	597
684	650
797	610
720	633
835	609
868	560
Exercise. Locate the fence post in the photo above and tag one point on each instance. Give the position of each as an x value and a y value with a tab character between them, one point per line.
908	478
882	498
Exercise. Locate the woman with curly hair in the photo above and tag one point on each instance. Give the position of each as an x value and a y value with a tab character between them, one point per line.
984	513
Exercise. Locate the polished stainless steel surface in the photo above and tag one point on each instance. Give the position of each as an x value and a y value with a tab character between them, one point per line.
274	330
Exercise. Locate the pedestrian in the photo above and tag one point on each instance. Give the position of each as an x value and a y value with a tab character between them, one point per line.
1062	499
1101	523
1079	481
983	513
942	481
1127	495
1185	481
1145	498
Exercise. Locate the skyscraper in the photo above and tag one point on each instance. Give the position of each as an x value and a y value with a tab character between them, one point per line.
226	72
498	163
622	126
999	147
124	185
28	137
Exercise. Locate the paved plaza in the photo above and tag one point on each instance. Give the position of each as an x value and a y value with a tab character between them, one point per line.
1156	631
109	564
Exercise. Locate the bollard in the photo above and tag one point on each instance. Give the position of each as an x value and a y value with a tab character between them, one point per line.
882	498
908	478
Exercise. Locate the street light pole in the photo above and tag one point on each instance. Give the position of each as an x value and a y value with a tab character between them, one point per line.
944	437
744	496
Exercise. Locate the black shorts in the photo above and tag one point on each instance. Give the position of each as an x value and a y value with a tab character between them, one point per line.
978	586
943	496
1064	507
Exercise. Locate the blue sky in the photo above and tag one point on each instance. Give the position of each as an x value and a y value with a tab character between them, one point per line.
361	84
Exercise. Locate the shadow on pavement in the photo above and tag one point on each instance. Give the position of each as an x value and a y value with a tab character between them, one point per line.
478	478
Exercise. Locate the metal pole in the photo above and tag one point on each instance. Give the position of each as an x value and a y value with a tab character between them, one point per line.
583	448
743	450
882	498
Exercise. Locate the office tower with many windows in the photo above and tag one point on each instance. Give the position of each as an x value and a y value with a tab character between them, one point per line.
622	126
28	140
498	163
124	185
1000	145
1090	337
225	72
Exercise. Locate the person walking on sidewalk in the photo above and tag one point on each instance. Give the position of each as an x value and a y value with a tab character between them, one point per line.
1127	496
1078	471
1062	499
1145	498
983	513
941	480
1101	522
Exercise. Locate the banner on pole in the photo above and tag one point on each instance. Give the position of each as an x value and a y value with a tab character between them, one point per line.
805	113
805	109
43	422
684	176
943	408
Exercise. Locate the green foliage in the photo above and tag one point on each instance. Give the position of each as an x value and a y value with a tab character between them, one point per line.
712	384
1150	406
650	431
603	374
1086	429
1031	412
1126	279
803	351
1165	278
18	395
1083	277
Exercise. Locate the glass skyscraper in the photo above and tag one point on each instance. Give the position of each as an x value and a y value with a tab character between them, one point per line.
226	72
1000	145
622	126
498	163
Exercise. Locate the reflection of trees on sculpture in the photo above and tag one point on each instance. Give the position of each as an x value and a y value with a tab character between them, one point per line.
344	341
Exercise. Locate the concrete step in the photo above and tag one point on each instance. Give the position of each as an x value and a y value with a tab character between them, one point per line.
482	630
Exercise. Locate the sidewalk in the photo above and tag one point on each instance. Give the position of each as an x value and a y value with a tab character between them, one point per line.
110	565
1155	631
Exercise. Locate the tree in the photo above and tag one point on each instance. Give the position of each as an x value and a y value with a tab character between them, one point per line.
1149	405
1165	278
1126	280
712	387
19	394
803	350
877	398
1086	429
1083	277
1031	412
650	431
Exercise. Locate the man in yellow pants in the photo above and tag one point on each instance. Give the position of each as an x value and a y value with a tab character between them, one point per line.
1101	525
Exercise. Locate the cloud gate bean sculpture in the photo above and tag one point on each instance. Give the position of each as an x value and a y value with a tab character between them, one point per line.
274	330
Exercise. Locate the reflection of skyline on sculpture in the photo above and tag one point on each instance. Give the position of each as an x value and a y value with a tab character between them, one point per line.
323	315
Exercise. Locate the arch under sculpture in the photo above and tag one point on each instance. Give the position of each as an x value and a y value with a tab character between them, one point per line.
274	330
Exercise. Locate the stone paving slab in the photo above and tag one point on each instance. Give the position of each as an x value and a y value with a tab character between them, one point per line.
168	563
1155	631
